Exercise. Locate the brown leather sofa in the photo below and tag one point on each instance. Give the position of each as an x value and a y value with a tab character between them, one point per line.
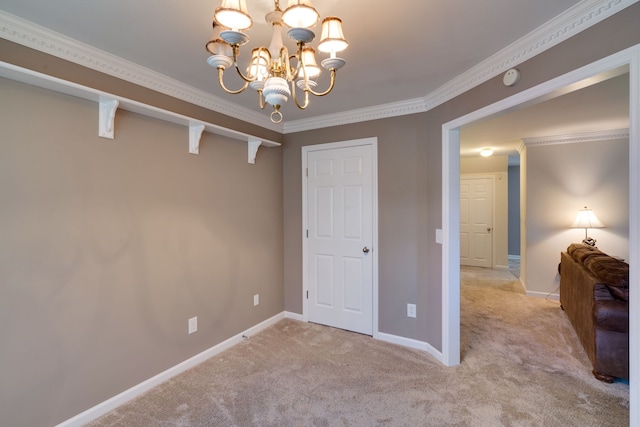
594	292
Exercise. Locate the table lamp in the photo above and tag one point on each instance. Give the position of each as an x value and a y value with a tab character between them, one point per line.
587	219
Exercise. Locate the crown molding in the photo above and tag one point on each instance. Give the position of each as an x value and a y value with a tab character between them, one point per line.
36	37
606	135
564	26
574	20
521	147
376	112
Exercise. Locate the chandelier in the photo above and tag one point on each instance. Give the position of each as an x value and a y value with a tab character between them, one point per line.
271	70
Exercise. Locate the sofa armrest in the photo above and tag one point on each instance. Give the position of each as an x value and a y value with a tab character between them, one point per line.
609	313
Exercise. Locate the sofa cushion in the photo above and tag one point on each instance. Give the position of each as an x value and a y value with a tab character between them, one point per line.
581	252
619	292
608	313
611	271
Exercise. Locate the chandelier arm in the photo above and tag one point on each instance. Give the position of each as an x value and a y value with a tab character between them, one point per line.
247	80
261	100
299	64
232	92
236	53
295	98
326	92
298	68
293	84
306	101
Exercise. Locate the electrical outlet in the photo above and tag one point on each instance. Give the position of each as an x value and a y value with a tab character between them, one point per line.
256	299
193	324
411	310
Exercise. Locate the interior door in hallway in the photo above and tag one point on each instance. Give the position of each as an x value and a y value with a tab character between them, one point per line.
476	221
340	230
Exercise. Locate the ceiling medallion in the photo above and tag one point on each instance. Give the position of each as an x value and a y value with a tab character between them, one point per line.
271	71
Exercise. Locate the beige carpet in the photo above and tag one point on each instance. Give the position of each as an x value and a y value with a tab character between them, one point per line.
522	366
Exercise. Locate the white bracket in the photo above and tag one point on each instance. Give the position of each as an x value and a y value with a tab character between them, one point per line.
106	117
253	145
195	133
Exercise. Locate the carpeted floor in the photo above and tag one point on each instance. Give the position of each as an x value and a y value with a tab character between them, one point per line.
522	366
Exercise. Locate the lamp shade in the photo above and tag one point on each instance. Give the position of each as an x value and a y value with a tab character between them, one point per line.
332	39
310	64
300	14
259	64
233	14
217	46
587	219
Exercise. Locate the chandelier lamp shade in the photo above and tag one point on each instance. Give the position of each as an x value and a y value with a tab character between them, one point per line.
271	71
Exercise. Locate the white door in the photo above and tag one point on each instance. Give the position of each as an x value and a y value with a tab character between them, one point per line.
340	236
476	221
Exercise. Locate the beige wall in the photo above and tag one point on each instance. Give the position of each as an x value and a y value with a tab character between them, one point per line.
498	167
561	179
109	246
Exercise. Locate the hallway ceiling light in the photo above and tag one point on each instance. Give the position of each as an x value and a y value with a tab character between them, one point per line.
270	71
486	152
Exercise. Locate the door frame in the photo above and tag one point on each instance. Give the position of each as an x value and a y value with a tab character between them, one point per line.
373	142
629	58
492	178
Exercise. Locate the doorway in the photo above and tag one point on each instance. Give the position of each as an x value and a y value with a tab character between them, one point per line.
340	235
617	64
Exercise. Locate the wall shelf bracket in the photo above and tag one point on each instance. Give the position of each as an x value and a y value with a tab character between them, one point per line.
253	145
195	134
107	116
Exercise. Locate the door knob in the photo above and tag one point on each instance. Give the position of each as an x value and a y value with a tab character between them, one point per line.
488	230
365	250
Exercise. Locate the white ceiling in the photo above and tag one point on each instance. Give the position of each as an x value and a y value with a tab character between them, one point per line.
399	50
600	107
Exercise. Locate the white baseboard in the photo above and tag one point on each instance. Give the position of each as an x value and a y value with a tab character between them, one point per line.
294	316
395	339
135	391
411	343
544	295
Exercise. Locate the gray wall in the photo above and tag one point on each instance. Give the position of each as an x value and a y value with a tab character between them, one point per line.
561	179
514	210
109	246
410	182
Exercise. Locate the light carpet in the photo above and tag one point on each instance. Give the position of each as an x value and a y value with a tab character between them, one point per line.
522	366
